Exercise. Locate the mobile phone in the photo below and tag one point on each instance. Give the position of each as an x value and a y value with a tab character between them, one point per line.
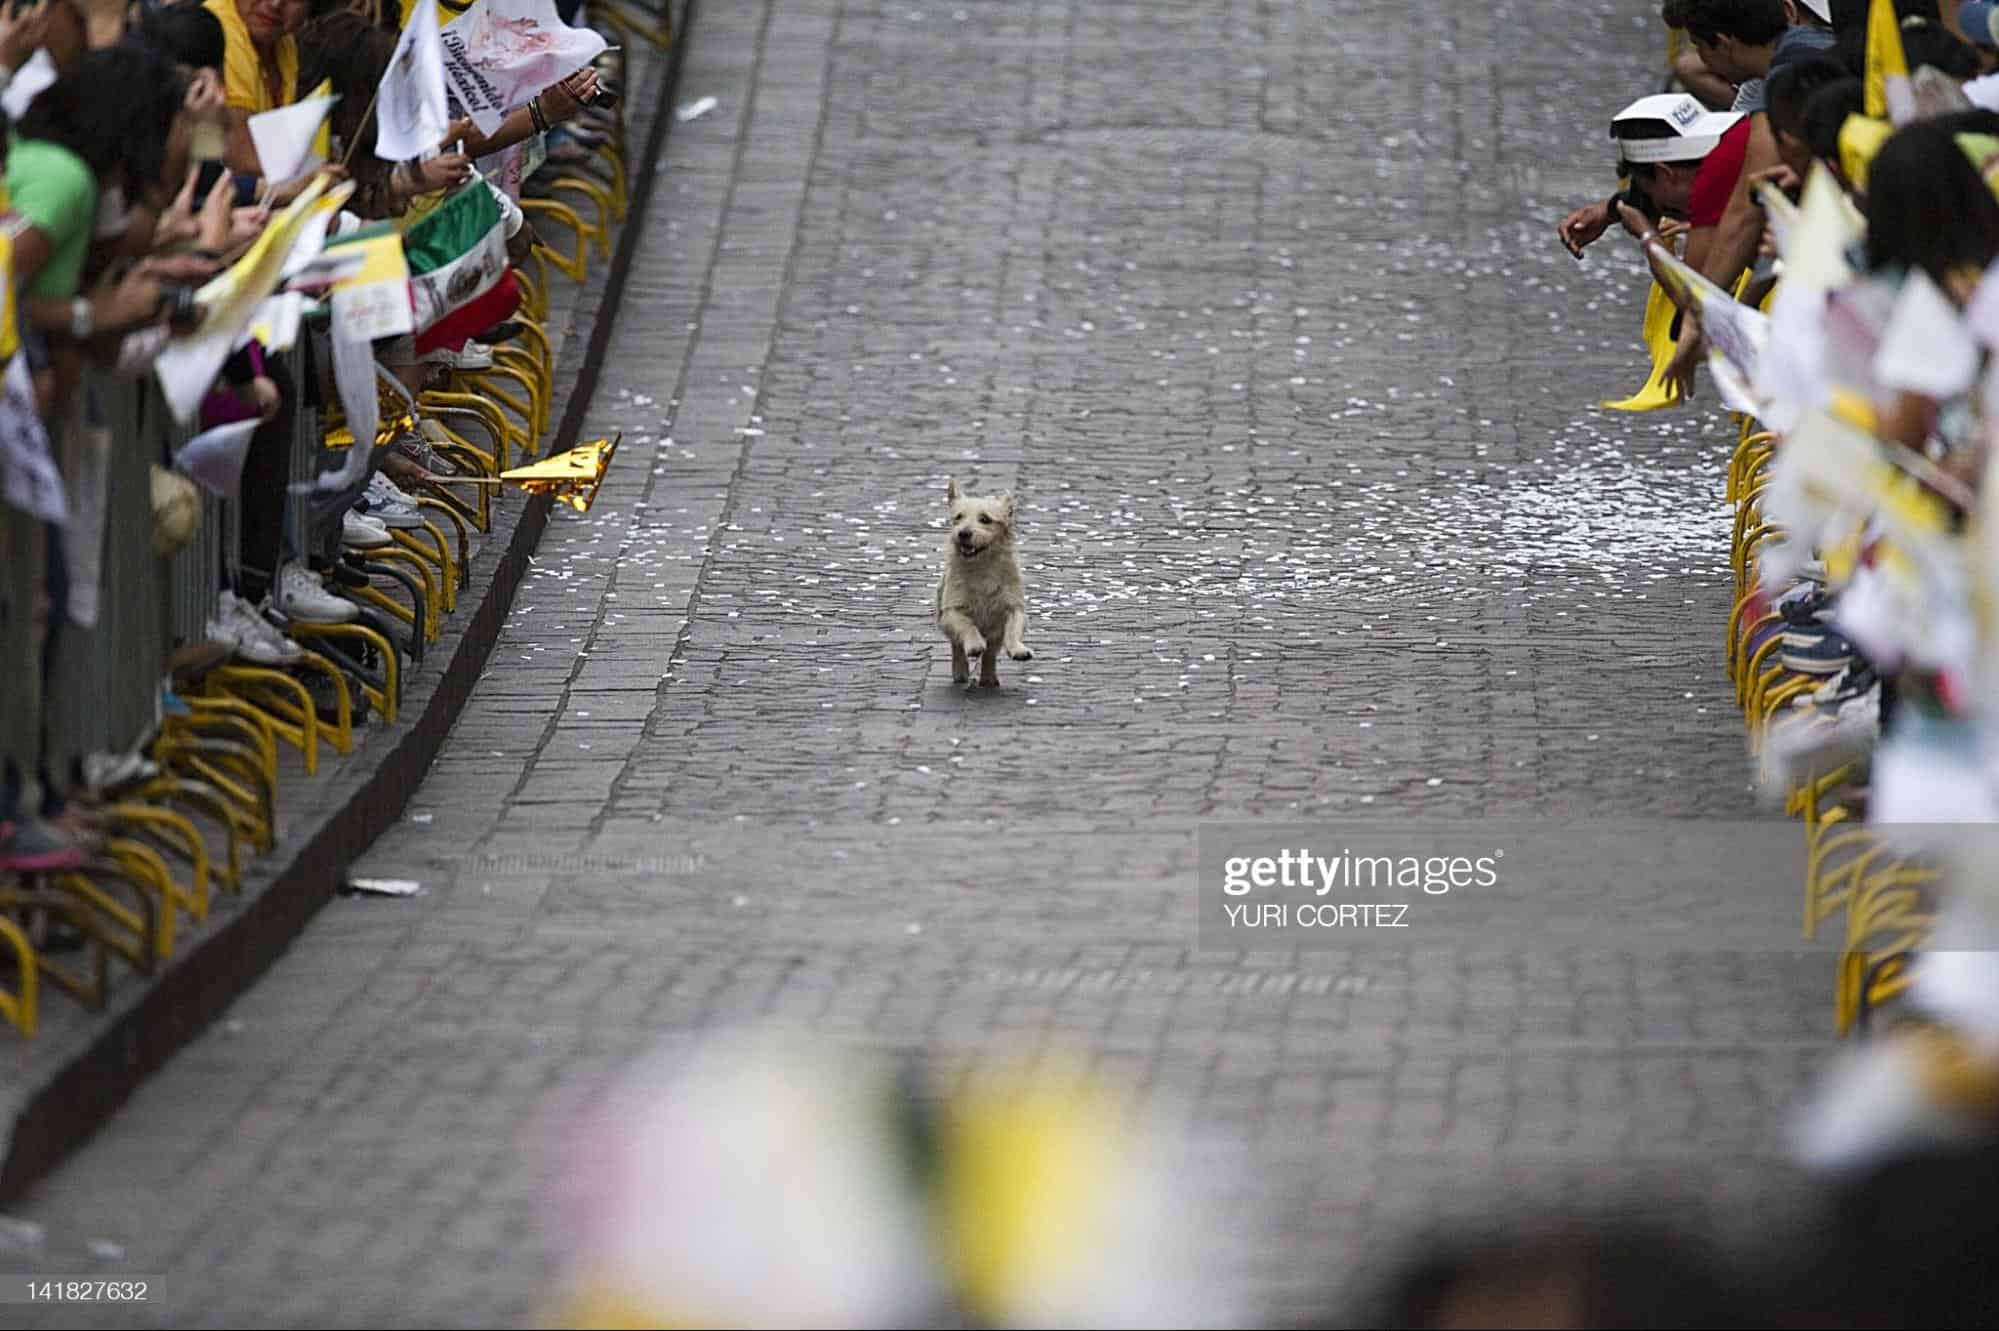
182	312
210	173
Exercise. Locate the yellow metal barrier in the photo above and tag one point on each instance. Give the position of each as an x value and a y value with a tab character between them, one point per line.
19	1007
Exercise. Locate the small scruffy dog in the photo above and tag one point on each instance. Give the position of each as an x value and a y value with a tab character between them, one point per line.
981	597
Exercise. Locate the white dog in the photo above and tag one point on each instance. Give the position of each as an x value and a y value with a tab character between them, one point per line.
981	598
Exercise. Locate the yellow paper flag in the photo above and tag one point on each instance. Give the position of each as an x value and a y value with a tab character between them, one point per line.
1889	94
572	477
10	336
1860	138
1658	334
322	141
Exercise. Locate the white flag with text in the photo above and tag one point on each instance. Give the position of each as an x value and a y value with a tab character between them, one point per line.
499	53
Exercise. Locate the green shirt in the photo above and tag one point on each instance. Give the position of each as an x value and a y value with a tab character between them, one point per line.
50	187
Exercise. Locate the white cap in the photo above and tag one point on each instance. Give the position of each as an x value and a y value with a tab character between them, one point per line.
1822	8
1695	129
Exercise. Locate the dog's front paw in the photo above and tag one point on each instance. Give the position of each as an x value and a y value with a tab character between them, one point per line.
975	645
1021	653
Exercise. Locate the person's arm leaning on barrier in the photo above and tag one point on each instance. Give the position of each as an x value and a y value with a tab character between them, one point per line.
118	303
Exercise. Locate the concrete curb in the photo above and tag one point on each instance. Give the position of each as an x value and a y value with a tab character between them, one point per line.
139	1033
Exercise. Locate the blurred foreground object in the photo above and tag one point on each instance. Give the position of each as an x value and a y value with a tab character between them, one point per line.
772	1180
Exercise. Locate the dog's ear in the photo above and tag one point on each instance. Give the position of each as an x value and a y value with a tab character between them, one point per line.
1006	507
951	489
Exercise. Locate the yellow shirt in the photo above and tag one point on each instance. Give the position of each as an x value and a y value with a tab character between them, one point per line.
447	10
243	84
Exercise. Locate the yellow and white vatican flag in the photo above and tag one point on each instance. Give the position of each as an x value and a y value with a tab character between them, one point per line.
1814	247
1736	334
231	302
371	292
1890	95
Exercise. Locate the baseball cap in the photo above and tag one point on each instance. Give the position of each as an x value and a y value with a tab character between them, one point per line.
1669	127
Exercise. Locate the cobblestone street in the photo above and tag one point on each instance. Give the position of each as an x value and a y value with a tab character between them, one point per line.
1256	308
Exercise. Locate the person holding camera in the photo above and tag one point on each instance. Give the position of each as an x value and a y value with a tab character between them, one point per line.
1679	161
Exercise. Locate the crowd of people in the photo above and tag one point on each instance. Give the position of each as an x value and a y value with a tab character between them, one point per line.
1816	198
146	235
1819	216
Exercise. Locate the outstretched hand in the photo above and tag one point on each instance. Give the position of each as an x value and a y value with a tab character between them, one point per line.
1583	227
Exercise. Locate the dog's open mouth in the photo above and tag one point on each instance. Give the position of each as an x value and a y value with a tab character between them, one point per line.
970	551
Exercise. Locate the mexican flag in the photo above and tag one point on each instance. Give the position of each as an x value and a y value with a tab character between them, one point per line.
459	281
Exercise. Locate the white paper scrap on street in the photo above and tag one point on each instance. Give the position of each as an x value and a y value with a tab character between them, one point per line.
696	109
385	887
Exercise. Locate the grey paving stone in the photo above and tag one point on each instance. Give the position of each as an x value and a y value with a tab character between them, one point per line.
1255	307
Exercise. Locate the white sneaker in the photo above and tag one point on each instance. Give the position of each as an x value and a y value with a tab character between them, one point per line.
389	506
111	771
472	356
251	635
358	532
302	596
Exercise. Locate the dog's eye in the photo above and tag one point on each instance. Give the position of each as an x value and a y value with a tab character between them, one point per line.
985	519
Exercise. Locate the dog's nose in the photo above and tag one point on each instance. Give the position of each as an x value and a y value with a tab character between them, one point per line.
964	536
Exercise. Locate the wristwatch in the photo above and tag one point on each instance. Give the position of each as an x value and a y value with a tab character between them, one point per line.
81	325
